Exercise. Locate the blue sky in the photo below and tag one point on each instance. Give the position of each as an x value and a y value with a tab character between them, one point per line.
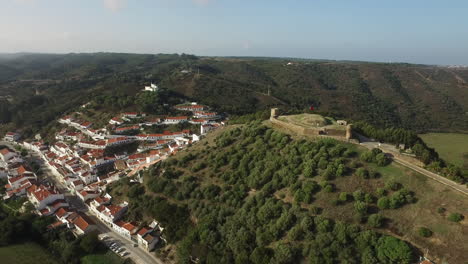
420	31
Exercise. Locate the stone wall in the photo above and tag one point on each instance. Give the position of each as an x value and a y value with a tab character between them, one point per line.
314	132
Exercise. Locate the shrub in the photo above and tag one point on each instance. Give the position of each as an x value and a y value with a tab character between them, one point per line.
424	232
344	196
393	185
382	160
358	195
383	203
363	173
380	192
360	207
375	220
368	198
441	210
455	217
328	188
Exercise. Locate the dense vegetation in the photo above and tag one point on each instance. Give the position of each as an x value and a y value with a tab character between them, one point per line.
411	96
249	198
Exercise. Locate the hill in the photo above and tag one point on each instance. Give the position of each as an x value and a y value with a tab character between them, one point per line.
418	97
251	194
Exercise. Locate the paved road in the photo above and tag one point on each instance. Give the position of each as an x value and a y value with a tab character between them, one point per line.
388	148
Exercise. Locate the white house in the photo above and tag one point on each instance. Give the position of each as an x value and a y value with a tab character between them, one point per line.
119	141
152	88
87	195
42	195
12	136
116	121
109	213
81	222
6	154
175	120
126	229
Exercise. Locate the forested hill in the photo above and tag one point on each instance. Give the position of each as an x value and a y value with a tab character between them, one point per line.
418	97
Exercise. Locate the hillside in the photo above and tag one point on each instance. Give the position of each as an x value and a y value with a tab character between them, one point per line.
418	97
251	194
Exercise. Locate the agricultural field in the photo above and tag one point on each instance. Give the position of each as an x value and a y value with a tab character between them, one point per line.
452	147
28	253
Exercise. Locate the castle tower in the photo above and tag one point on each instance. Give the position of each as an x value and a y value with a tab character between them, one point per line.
349	131
274	113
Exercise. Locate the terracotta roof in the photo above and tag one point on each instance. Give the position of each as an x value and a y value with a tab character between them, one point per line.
149	238
83	222
114	209
41	192
143	231
61	212
129	226
5	151
113	140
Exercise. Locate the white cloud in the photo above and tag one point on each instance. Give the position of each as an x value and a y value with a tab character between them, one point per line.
114	5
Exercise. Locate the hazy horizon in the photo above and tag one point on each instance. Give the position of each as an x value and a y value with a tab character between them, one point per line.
400	31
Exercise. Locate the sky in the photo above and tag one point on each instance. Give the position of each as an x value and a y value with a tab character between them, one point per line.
416	31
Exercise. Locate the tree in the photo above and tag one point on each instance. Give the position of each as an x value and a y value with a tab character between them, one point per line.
344	196
382	160
392	250
455	217
284	253
424	232
360	207
375	220
261	255
89	242
383	203
363	173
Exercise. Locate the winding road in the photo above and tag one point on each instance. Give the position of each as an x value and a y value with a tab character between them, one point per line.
387	148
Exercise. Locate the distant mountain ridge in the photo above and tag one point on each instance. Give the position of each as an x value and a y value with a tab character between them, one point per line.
418	97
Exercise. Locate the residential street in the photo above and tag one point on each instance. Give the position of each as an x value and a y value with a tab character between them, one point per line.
138	255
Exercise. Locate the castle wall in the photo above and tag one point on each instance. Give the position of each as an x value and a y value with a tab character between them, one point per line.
314	132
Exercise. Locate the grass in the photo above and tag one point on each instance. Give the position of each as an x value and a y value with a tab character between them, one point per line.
107	258
451	147
28	253
311	120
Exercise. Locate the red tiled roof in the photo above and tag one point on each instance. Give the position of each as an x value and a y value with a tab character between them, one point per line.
83	222
5	151
143	231
114	209
61	212
113	140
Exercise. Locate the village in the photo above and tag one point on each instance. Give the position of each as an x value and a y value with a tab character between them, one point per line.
83	161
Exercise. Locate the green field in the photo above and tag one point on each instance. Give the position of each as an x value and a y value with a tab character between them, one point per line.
29	253
452	147
108	258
